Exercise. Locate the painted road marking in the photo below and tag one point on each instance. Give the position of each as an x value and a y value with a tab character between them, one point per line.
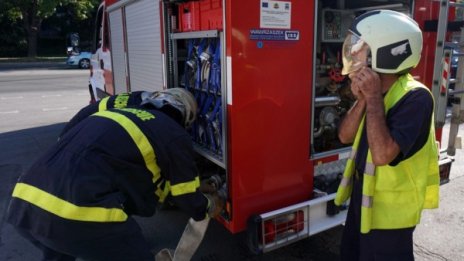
10	97
8	112
55	109
51	95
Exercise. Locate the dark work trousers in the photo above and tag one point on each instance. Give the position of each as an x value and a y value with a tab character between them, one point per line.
90	241
48	253
378	245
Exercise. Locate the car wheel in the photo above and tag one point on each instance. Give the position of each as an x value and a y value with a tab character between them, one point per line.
84	64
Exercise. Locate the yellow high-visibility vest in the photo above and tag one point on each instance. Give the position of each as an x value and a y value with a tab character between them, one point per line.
393	196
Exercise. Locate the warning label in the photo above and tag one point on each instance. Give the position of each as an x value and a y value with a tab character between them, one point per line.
276	14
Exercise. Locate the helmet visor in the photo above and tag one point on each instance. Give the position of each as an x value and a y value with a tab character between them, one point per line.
356	54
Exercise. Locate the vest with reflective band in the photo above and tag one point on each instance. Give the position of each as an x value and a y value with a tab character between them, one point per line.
393	196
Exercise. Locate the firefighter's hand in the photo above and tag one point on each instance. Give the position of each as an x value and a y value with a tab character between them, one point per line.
368	82
355	86
215	204
356	91
207	186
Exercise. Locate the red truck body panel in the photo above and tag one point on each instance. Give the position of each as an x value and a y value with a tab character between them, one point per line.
270	113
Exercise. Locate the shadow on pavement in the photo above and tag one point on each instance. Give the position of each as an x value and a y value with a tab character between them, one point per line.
18	149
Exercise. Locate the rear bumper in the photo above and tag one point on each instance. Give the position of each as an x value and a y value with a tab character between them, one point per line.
282	227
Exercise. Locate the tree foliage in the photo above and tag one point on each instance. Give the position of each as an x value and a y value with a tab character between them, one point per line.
83	9
31	13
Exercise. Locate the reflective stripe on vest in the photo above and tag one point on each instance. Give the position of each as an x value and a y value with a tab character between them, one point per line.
368	191
64	209
102	106
139	139
148	153
346	184
142	143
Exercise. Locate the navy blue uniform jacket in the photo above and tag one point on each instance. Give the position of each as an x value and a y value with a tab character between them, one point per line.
98	164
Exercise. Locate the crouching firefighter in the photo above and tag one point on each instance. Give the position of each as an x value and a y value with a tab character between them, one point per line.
76	201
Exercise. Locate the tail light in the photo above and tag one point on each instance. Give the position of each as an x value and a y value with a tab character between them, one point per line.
283	226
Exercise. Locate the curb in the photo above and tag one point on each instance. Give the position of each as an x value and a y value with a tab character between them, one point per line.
32	65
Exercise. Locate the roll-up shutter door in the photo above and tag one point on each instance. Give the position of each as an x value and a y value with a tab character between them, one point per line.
117	50
144	45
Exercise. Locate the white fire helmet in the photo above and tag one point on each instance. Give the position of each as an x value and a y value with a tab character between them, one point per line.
179	99
388	41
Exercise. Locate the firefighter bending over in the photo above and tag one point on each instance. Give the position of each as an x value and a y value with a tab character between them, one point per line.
392	173
77	199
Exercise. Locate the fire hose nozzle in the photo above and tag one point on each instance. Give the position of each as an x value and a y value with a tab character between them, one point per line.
216	181
219	184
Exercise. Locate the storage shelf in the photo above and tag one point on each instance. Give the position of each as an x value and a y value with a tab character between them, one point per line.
216	159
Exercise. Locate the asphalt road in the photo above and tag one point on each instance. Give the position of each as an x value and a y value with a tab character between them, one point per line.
36	101
31	98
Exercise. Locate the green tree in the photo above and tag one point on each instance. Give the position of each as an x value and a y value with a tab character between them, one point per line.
12	36
32	12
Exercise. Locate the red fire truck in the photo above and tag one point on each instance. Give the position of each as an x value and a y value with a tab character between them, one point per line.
266	75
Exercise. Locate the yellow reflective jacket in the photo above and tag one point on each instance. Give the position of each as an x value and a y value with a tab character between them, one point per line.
393	196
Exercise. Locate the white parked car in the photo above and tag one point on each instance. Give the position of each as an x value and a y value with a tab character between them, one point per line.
81	60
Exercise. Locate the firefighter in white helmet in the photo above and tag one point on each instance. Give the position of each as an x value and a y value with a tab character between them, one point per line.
392	174
77	199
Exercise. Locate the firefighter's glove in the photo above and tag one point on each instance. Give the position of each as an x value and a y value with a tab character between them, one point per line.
215	204
207	186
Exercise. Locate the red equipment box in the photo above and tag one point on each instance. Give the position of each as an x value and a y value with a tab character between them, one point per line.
211	14
189	17
200	15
